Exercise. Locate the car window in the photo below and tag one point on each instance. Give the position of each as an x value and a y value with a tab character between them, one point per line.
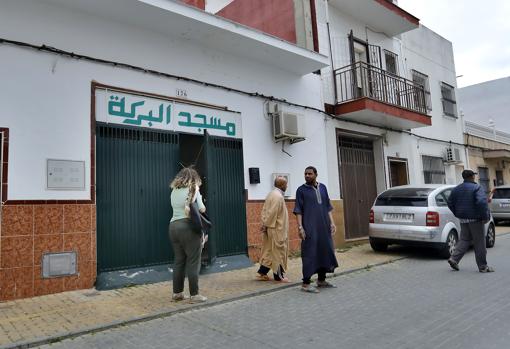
417	197
441	200
447	193
501	194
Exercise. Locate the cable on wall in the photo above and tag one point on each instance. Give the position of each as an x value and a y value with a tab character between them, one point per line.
77	56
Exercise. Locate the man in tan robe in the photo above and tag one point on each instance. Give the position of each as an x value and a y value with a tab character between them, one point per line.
275	239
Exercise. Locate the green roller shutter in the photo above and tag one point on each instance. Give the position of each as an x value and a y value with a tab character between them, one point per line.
225	196
133	169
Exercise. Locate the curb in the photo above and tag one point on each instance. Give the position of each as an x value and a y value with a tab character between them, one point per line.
168	313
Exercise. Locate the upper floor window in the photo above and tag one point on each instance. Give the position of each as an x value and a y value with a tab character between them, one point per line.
391	62
448	99
433	170
423	80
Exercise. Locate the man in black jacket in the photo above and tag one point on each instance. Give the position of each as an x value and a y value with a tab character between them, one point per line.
468	203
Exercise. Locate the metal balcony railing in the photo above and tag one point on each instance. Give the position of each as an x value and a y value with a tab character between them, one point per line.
360	80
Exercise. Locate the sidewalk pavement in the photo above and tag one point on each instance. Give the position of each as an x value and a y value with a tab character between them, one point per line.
35	321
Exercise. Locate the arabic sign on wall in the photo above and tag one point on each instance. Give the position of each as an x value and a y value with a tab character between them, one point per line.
134	110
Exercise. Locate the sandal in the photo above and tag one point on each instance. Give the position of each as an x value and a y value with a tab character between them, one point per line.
309	289
262	277
325	284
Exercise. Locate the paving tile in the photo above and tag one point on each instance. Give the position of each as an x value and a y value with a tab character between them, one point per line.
54	314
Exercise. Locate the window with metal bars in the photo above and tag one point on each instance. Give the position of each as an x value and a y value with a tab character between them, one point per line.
355	143
433	170
391	62
448	100
423	80
483	174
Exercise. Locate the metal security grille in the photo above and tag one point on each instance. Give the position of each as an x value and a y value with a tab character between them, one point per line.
359	80
391	62
448	100
423	81
133	169
357	173
375	55
225	196
483	174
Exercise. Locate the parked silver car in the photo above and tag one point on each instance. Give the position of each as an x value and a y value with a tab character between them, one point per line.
417	216
499	202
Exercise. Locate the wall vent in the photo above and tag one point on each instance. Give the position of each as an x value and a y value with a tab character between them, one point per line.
58	264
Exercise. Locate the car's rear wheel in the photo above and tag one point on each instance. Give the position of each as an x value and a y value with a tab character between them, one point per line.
449	246
490	239
378	246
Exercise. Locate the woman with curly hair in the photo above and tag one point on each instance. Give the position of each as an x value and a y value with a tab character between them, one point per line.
186	241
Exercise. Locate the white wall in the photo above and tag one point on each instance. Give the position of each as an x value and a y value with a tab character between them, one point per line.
46	104
214	6
340	25
420	49
431	54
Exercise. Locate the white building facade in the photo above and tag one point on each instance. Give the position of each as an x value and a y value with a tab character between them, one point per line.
392	90
105	103
103	106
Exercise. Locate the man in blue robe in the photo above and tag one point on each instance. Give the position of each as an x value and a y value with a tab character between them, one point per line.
313	212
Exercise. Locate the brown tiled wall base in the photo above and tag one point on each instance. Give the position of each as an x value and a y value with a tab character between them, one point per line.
28	231
253	210
338	216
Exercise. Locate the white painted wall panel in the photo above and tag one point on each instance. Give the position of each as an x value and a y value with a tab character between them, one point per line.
46	105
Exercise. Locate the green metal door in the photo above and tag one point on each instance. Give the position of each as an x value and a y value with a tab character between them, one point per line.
225	196
133	168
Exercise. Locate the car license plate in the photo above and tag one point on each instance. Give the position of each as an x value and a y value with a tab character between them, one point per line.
399	217
505	205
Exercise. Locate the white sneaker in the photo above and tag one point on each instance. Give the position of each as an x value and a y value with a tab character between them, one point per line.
197	299
176	297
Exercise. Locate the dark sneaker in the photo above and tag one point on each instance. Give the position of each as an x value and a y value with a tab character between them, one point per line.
453	264
325	284
486	269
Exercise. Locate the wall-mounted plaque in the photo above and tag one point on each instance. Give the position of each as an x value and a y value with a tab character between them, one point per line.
65	174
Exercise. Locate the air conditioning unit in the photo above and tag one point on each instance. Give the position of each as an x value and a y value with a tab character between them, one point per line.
288	126
453	155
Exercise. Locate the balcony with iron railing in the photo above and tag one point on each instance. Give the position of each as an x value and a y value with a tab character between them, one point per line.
372	95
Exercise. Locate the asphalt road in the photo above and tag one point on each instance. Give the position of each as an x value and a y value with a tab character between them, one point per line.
414	303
